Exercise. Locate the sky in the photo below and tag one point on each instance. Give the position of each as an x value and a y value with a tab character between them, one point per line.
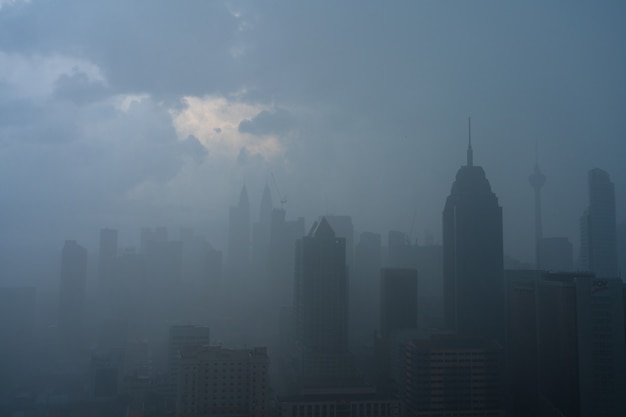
144	113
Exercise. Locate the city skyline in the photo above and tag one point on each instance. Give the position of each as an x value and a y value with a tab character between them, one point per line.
365	117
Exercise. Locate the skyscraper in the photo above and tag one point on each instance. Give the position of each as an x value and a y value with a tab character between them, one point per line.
261	236
72	292
473	255
239	237
598	227
398	300
537	181
321	303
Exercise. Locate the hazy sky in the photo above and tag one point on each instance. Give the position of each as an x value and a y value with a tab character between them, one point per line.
121	114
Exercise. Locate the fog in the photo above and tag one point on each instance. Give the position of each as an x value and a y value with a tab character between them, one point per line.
148	114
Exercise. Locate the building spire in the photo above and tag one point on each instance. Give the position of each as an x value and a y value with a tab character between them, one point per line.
470	152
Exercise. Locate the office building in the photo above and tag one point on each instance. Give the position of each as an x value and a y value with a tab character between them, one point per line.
580	345
598	228
72	293
213	381
321	304
473	255
555	254
238	256
335	402
453	376
398	300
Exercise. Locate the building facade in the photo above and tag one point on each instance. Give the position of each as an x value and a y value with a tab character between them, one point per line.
223	382
473	255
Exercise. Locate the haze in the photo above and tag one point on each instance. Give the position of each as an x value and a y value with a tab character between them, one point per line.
124	115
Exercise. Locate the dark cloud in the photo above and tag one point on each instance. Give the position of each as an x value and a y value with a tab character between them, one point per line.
79	89
266	122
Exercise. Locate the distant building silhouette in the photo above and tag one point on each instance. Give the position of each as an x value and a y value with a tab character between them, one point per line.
398	300
598	228
555	254
473	255
321	305
181	336
261	237
537	181
342	225
17	333
72	295
214	381
281	257
365	289
107	255
580	340
452	376
238	257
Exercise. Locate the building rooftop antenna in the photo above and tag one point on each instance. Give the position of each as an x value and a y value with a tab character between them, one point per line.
470	152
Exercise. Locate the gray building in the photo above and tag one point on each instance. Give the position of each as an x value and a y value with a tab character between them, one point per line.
580	345
321	305
598	228
473	255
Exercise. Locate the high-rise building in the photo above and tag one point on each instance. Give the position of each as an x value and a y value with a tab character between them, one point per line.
555	254
453	376
261	236
72	292
17	332
521	342
342	225
473	255
238	259
182	335
365	289
537	181
580	345
398	300
321	304
283	236
598	228
215	381
106	256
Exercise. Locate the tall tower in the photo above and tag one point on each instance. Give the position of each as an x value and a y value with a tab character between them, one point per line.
537	181
72	293
473	255
239	237
321	303
598	228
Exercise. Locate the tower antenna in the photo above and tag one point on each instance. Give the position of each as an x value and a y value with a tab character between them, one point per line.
470	152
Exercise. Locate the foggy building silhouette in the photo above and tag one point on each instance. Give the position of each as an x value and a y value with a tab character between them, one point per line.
555	254
473	255
72	295
400	250
180	336
452	376
521	344
261	236
365	288
398	323
342	225
17	335
537	181
283	236
321	305
580	341
214	381
238	257
398	300
598	227
107	254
